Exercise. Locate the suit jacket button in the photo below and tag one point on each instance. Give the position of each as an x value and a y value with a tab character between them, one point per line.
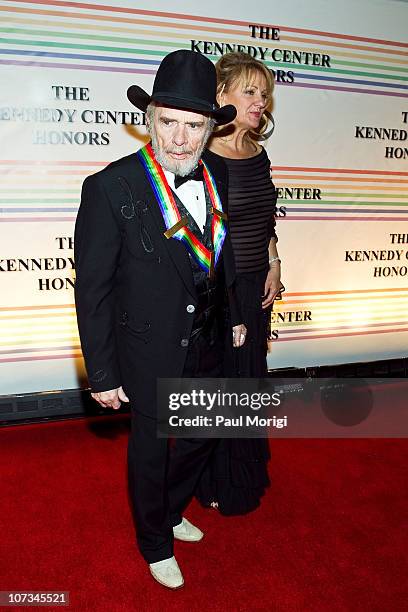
184	342
190	308
124	318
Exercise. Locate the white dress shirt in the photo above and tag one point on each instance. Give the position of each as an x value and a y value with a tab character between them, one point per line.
192	195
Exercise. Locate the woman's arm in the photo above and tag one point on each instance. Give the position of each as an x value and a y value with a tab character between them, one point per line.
273	283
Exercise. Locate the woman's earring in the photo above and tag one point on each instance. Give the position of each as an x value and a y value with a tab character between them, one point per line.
266	135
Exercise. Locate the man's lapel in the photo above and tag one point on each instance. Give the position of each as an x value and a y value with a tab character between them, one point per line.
176	250
219	171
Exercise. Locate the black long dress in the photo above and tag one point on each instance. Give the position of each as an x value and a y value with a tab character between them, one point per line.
237	474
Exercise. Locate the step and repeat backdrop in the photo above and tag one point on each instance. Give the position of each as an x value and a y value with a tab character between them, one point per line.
339	158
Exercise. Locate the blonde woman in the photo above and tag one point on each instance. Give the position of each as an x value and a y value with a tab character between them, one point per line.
237	476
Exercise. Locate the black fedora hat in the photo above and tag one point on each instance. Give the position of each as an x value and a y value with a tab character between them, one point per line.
188	80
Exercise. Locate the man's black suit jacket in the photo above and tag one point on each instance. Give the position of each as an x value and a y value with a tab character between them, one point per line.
134	288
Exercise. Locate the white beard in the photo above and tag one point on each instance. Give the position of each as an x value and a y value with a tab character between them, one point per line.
180	167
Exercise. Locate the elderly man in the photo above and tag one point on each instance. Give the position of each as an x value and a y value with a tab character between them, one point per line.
153	262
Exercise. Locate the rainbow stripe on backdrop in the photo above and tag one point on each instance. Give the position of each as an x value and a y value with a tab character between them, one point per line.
75	35
345	194
171	215
339	314
43	332
47	190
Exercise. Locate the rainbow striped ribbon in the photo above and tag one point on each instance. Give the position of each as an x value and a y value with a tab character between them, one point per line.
176	226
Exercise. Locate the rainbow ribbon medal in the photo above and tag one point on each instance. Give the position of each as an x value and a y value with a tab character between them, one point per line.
176	226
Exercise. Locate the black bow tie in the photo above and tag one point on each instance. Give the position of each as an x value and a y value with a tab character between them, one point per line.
194	175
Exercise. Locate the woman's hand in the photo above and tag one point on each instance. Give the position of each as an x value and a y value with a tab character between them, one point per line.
272	285
238	335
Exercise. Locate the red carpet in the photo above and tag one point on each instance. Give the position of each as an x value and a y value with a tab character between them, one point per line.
328	536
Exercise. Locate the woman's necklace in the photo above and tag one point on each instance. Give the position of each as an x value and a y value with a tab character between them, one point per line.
246	151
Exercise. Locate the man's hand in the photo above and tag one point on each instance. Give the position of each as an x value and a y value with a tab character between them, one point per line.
111	399
238	335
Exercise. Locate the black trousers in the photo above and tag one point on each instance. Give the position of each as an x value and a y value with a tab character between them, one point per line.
162	480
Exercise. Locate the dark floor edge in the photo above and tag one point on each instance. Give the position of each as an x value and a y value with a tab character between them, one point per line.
77	403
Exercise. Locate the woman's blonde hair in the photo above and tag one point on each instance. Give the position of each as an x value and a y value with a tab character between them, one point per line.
239	67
